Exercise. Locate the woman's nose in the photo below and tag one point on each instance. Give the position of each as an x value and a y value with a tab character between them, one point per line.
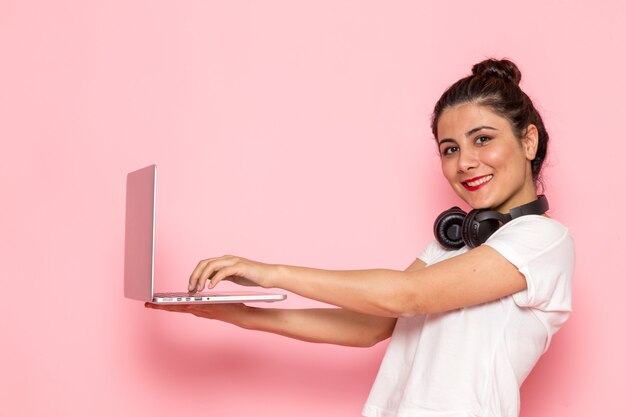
468	160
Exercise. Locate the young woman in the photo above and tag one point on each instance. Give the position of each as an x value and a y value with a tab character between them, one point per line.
471	316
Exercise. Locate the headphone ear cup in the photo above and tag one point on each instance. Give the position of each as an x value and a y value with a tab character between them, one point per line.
447	228
473	232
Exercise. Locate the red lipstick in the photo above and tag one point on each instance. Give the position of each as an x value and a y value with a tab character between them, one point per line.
476	187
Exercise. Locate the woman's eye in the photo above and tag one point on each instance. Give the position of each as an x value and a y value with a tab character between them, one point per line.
482	139
449	150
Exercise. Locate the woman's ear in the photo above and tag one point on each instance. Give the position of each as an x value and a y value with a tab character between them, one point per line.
530	141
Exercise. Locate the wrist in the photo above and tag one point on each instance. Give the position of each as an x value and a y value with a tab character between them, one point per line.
279	276
245	318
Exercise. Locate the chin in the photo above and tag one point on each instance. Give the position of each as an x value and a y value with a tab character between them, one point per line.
477	203
482	199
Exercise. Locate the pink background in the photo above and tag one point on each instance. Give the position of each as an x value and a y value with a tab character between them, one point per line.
286	132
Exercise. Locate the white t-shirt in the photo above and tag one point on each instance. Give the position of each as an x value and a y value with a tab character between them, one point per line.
470	362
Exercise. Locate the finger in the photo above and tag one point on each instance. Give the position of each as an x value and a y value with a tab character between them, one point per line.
223	273
201	270
180	308
195	275
213	268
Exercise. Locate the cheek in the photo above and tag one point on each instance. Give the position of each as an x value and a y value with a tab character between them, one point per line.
501	159
495	157
505	160
448	169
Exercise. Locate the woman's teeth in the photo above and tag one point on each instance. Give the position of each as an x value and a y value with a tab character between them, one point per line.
479	181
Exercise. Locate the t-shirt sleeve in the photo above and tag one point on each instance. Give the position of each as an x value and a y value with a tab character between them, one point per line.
430	252
543	251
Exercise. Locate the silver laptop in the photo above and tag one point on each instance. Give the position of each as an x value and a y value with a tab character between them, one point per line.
139	250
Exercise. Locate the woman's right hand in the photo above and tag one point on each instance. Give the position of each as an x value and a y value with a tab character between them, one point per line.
239	270
229	312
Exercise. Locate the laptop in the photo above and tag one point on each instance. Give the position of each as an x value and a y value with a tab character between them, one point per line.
139	251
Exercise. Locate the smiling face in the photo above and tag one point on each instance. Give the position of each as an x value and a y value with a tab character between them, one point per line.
483	160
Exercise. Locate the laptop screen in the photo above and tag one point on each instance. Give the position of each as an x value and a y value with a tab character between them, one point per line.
139	238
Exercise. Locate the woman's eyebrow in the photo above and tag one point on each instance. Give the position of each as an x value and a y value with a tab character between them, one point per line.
446	140
476	129
468	133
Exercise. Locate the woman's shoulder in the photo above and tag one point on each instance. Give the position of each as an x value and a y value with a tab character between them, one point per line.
530	236
531	232
539	226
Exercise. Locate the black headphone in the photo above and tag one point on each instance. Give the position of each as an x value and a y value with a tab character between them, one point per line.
454	228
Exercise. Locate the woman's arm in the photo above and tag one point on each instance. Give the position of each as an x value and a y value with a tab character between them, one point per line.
477	276
334	326
323	325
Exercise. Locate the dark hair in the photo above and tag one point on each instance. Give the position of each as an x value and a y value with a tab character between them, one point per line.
495	84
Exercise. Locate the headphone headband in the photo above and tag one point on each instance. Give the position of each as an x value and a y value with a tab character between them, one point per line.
539	206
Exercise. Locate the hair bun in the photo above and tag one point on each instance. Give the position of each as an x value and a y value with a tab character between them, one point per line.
498	68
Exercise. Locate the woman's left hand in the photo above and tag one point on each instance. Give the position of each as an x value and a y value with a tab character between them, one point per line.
232	268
